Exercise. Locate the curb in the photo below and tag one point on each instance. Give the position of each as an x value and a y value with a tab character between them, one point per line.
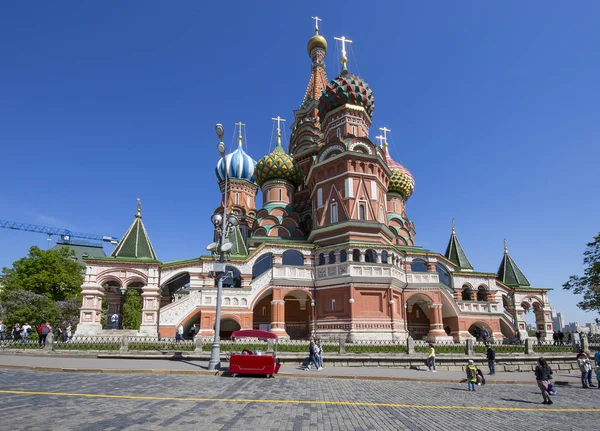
284	374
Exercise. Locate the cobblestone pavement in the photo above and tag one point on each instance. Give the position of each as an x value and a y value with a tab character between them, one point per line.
89	401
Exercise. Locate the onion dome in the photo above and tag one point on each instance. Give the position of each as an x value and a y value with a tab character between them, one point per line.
239	165
317	41
346	89
401	180
278	166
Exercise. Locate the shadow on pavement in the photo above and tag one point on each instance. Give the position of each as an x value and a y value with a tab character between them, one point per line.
519	401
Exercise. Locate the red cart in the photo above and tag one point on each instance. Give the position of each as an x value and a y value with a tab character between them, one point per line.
253	362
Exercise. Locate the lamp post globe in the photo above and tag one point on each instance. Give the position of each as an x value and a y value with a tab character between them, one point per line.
220	131
221	148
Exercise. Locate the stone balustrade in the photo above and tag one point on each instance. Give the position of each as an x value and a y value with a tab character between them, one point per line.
478	307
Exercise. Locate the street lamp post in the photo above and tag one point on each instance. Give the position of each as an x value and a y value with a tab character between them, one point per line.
223	224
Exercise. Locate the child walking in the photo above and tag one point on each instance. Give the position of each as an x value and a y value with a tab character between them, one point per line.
471	375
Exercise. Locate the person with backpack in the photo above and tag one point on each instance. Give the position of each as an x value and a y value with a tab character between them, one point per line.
43	332
491	358
471	375
543	375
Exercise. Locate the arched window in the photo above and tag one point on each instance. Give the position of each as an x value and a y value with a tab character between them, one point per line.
356	255
443	275
370	256
362	209
262	265
418	265
331	257
482	294
235	280
321	259
384	256
292	258
343	256
466	293
505	302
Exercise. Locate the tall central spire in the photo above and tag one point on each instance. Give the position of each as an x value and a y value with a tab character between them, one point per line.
317	48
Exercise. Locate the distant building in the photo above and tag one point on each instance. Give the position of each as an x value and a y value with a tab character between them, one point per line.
557	320
593	328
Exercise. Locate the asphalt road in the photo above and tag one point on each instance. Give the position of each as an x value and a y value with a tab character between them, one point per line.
45	400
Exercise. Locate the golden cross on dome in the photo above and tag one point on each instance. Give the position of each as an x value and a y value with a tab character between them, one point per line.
139	208
279	120
344	41
505	247
453	231
379	140
239	123
317	19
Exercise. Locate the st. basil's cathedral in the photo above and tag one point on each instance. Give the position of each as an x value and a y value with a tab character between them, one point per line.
331	251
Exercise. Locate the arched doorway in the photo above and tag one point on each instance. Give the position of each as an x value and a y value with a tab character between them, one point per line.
298	312
417	316
228	326
476	330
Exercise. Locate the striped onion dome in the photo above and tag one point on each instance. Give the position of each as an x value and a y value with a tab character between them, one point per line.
401	180
239	166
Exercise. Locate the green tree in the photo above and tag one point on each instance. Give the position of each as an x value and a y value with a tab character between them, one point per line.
52	273
104	311
588	285
24	306
132	309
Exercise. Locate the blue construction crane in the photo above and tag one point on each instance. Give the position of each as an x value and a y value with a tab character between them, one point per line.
66	236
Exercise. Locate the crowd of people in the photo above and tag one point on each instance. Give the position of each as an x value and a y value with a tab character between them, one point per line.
23	333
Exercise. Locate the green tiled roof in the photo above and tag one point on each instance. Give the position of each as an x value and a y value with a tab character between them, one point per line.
135	244
456	254
510	274
239	246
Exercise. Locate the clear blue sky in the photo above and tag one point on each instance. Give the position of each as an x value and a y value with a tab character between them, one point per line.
493	106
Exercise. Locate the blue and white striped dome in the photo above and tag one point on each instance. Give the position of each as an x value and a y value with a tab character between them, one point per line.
239	165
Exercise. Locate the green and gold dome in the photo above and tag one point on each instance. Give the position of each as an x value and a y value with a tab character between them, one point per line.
401	180
277	166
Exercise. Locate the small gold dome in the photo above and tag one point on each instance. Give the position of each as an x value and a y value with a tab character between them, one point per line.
317	41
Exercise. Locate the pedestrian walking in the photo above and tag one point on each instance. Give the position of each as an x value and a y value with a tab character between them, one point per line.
569	338
320	357
69	332
312	359
491	358
471	375
2	330
43	332
543	375
179	335
431	359
16	332
538	335
555	338
25	331
62	329
585	367
114	319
